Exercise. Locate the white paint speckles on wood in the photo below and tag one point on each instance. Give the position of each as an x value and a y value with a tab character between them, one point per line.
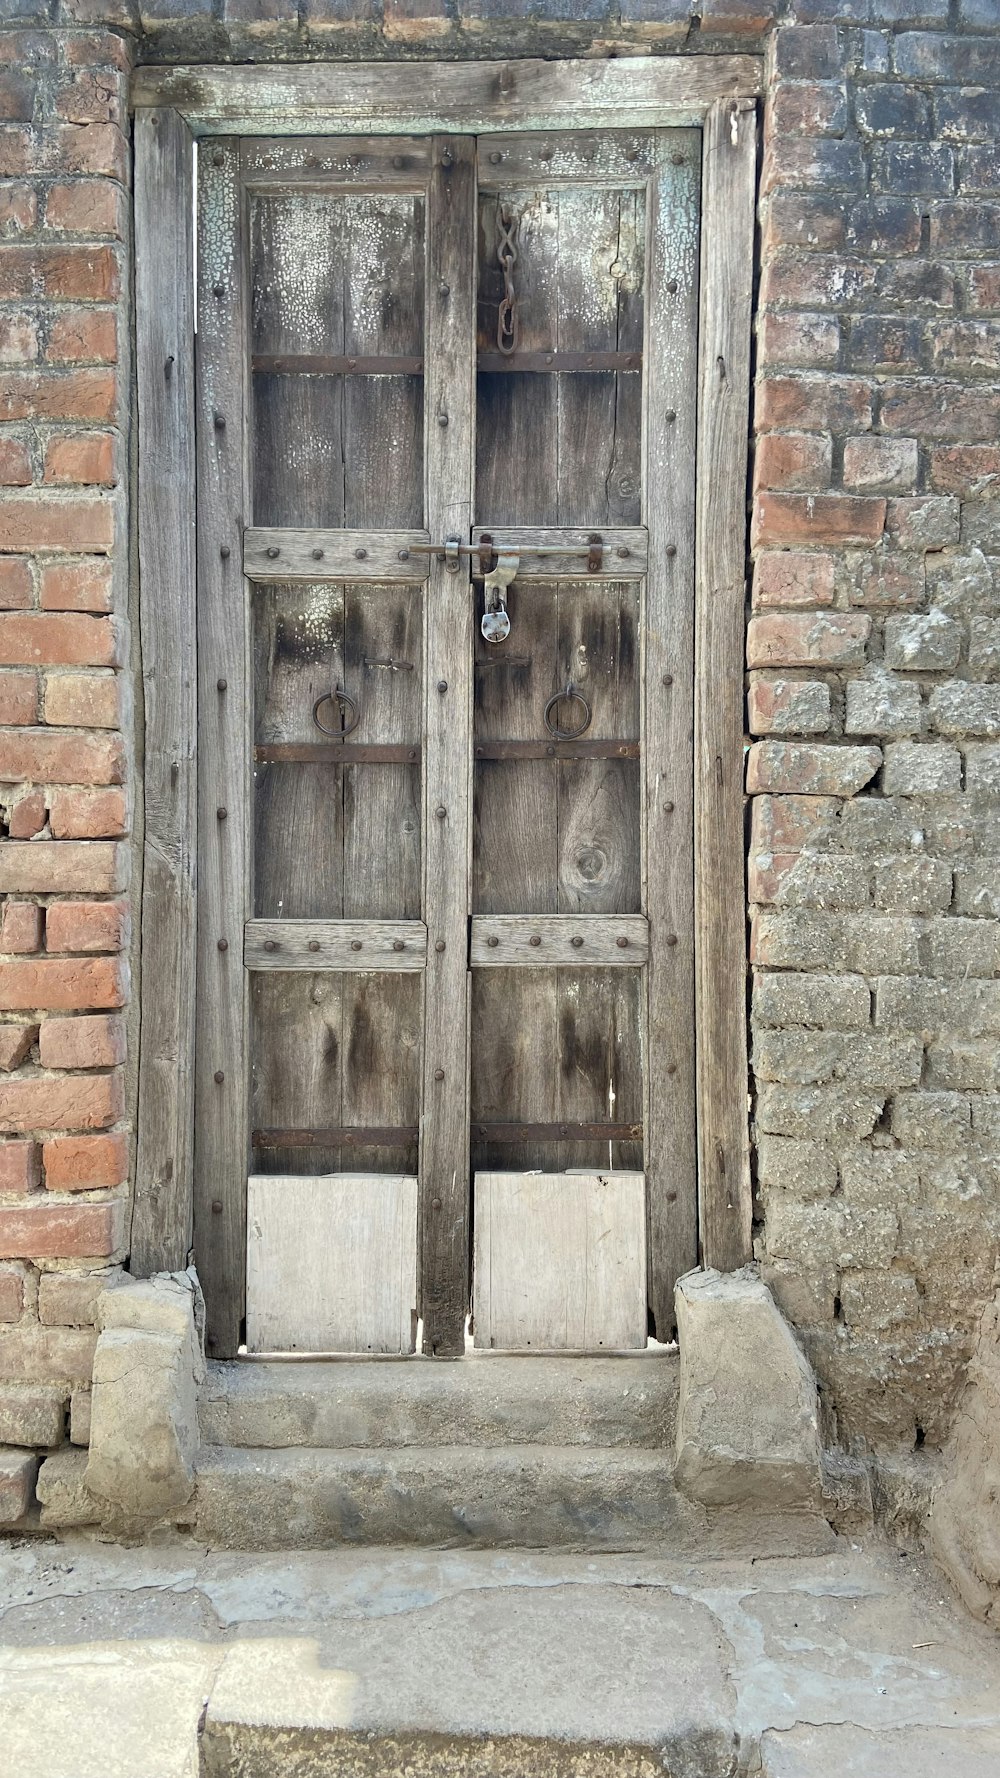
560	1261
362	1298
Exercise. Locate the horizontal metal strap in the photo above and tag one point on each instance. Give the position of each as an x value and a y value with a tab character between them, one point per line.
276	553
492	363
598	1132
389	945
557	750
319	364
538	941
339	1136
349	753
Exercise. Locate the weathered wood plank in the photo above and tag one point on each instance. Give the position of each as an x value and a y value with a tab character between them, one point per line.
670	432
164	256
576	157
560	1261
723	1141
400	161
625	93
624	551
335	944
224	717
503	941
273	553
332	1263
444	1156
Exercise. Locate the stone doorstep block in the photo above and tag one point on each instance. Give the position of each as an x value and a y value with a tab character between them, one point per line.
32	1416
62	1491
747	1422
17	1483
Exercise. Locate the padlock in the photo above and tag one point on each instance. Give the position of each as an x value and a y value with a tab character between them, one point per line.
495	624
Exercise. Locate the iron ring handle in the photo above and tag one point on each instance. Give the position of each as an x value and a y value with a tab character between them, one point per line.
337	696
576	697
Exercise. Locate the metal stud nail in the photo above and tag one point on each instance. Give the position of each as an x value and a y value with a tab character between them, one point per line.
622	943
318	555
223	944
360	555
225	551
398	944
221	813
439	1074
218	290
216	1206
442	685
677	159
671	1067
273	552
668	808
439	944
440	811
270	944
218	158
671	414
219	1077
668	679
221	684
435	1203
314	944
534	940
576	942
447	158
671	938
219	422
402	555
623	551
671	286
492	942
671	549
355	944
495	157
444	289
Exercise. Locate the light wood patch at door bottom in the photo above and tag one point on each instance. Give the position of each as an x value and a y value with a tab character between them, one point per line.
560	1261
331	1263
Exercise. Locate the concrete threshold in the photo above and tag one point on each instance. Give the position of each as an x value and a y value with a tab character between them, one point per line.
175	1663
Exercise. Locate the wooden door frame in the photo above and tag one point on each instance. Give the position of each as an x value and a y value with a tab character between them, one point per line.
172	107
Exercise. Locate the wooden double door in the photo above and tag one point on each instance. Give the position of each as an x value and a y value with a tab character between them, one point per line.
445	443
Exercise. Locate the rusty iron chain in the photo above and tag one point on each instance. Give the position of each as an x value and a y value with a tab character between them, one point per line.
507	257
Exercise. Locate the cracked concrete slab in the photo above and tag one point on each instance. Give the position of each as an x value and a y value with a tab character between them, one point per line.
803	1667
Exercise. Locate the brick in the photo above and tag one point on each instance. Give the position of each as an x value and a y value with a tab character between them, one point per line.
54	523
33	1354
790	578
890	109
79	1416
912	885
800	639
59	274
89	814
977	890
814	403
807	53
915	768
819	518
83	700
788	707
11	1295
83	394
878	580
20	1167
91	97
809	342
80	458
922	641
85	207
825	1112
969	1008
785	766
866	943
95	1042
884	225
880	464
931	1120
69	1299
915	285
794	460
953	946
82	336
965	469
21	926
812	163
968	61
15	585
31	1416
829	1002
85	1163
809	110
793	219
28	816
87	926
18	699
984	646
787	823
15	1043
969	347
965	226
961	114
96	148
830	881
15	464
982	771
924	167
963	709
980	525
804	1168
881	705
18	1471
18	339
922	522
884	343
41	756
73	1102
18	209
943	410
816	281
58	639
77	586
964	1063
63	985
853	1058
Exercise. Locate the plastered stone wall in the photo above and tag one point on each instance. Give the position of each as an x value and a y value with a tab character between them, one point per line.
874	658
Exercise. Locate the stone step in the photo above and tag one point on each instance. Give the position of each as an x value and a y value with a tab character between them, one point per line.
482	1400
442	1497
